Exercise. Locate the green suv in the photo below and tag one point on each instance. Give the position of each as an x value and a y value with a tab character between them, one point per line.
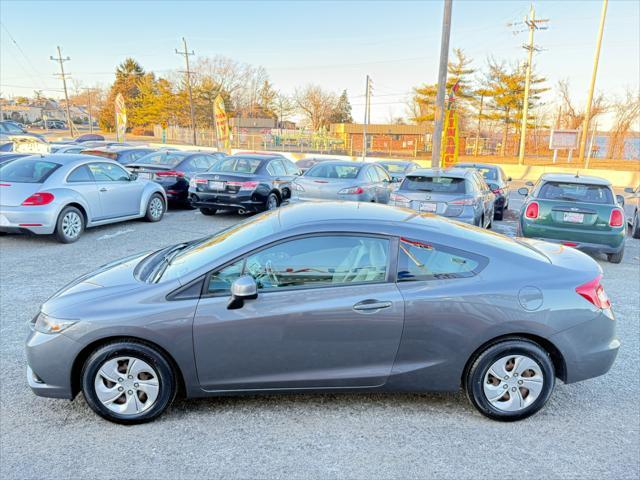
576	211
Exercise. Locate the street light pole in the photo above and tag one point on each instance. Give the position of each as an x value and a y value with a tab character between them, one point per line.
587	110
442	85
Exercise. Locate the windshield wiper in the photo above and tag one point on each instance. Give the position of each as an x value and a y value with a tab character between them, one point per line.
165	261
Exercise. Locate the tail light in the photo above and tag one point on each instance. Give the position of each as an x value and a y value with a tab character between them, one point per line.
594	292
37	199
399	199
462	201
198	181
170	173
532	211
351	191
617	218
244	185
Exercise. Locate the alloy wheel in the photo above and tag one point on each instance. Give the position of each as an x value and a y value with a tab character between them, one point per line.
155	208
127	385
513	382
71	225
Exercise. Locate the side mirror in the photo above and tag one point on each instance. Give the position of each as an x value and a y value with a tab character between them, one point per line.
244	288
523	191
629	190
396	180
133	177
620	200
509	179
529	183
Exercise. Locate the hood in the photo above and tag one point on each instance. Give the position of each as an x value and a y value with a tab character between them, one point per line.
110	279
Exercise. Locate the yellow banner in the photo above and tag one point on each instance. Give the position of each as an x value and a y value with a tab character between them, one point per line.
222	124
451	139
121	118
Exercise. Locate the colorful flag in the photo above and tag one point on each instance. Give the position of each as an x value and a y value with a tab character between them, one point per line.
222	124
121	118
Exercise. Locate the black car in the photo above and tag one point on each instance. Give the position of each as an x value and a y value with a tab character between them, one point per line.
122	155
173	169
398	169
498	183
244	182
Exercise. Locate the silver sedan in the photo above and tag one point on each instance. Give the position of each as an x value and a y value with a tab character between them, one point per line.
344	180
64	194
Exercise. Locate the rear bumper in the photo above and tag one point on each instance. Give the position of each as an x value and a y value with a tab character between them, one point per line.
589	349
40	220
587	241
583	246
249	202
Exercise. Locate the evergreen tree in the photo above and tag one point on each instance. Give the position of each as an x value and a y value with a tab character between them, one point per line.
342	111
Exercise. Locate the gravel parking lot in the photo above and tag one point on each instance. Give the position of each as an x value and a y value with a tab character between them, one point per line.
587	430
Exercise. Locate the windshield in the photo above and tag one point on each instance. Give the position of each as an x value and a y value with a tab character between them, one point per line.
395	167
576	192
27	170
186	258
323	170
238	165
434	184
161	158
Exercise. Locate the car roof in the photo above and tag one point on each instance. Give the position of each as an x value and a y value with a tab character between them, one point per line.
395	162
574	178
256	156
442	172
71	158
116	148
477	165
347	163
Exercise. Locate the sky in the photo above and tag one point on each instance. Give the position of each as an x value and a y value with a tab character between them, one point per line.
334	44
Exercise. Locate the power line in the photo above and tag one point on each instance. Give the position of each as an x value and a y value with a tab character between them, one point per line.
186	55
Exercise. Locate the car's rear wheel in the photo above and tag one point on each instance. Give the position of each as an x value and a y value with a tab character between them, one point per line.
128	382
615	257
635	226
70	225
510	380
208	211
272	201
499	214
155	208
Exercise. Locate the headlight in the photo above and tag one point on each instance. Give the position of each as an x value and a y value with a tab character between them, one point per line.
47	324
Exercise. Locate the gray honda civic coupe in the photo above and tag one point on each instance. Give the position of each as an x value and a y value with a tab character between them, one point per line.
329	297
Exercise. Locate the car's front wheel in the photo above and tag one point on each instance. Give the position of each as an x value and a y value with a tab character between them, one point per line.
510	380
128	382
155	208
70	225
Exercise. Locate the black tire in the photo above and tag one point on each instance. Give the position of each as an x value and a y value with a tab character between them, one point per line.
616	257
208	211
63	232
166	380
635	226
272	199
499	214
152	214
474	381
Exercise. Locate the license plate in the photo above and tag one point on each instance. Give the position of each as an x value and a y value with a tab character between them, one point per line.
216	185
146	175
429	207
573	217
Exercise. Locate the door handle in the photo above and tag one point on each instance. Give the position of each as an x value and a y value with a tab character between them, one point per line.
103	189
371	305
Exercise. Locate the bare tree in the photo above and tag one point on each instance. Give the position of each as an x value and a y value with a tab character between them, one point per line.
572	117
627	113
316	105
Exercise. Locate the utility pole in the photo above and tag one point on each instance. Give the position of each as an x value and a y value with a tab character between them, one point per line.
442	85
367	117
532	24
475	146
187	54
64	76
587	110
89	92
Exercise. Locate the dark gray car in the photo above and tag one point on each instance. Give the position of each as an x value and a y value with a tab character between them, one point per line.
458	193
328	297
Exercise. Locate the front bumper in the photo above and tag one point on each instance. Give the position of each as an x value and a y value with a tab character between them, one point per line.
40	220
50	360
589	349
249	201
